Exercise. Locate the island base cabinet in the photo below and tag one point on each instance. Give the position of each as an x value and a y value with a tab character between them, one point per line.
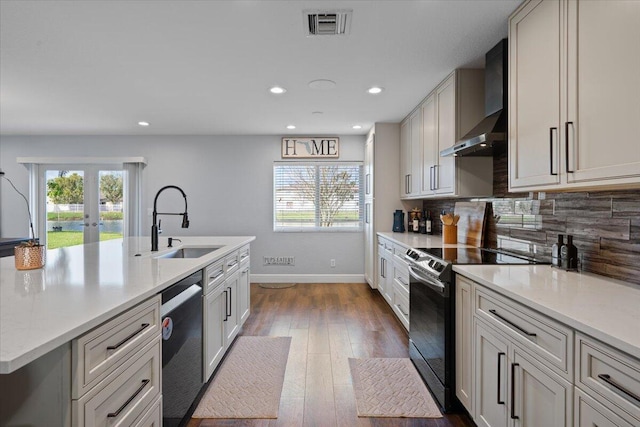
244	292
232	319
514	389
215	308
123	397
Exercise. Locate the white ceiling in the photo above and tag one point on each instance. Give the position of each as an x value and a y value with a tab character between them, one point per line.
204	67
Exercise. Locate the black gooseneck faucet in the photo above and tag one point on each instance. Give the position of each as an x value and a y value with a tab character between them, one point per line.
154	227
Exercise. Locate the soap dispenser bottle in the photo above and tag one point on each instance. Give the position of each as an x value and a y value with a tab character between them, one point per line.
555	251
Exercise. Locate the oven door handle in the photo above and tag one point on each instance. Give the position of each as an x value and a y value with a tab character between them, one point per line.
432	283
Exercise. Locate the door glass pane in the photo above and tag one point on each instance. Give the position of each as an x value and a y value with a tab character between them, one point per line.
110	204
65	208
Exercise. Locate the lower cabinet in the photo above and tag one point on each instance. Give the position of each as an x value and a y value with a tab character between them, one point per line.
385	270
226	305
215	308
464	342
588	412
514	388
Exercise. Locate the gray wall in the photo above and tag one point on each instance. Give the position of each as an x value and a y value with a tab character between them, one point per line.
228	181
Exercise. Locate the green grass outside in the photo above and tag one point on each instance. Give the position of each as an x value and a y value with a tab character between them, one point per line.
61	239
78	216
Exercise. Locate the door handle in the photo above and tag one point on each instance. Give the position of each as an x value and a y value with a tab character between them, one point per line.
566	145
226	313
513	391
551	130
500	402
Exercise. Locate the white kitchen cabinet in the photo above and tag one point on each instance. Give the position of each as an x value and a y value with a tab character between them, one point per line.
244	286
610	377
401	285
232	320
411	155
588	412
382	161
385	269
453	108
464	342
215	309
490	369
574	95
513	388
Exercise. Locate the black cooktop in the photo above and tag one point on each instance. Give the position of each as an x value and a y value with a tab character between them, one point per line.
463	256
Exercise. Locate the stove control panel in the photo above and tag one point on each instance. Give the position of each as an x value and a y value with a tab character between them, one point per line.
427	263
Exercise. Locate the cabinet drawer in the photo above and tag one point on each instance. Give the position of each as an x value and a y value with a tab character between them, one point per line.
543	336
401	279
243	254
122	397
401	308
153	416
399	251
231	263
214	275
609	373
99	352
589	412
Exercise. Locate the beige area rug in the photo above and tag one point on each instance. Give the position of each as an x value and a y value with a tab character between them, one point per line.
249	382
276	285
391	388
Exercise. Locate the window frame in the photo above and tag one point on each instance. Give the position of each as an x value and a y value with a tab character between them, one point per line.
317	228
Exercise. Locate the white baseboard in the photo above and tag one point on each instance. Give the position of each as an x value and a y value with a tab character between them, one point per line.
307	278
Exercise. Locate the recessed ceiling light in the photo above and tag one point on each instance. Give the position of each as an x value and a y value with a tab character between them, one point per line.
484	144
375	90
322	84
291	127
143	123
356	127
277	90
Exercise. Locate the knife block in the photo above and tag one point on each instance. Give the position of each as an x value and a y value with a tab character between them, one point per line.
449	233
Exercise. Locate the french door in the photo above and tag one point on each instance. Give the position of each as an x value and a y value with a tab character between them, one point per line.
80	203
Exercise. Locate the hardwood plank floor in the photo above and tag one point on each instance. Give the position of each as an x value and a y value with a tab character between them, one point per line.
328	324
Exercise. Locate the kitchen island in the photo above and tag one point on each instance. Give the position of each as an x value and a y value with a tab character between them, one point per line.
81	287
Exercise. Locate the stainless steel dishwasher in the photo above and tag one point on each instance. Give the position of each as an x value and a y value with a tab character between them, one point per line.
181	348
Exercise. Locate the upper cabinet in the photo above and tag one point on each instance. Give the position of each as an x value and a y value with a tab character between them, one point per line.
411	155
453	108
574	95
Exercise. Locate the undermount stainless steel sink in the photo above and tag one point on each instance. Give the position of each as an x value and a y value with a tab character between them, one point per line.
189	252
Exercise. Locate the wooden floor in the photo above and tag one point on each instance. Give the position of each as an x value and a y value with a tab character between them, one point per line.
329	323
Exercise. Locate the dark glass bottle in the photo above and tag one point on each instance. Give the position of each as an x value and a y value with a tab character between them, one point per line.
572	254
428	223
422	224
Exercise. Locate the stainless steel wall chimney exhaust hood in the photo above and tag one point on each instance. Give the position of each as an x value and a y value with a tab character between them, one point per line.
493	128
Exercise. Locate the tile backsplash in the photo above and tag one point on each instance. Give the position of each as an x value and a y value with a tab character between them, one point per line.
605	224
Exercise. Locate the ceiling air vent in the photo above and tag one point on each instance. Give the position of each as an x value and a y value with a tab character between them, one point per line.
327	22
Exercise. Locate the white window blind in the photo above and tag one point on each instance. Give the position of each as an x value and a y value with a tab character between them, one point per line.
318	196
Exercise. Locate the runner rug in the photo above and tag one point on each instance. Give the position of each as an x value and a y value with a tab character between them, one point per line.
249	382
391	388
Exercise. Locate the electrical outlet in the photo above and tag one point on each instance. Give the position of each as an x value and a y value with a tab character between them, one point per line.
333	263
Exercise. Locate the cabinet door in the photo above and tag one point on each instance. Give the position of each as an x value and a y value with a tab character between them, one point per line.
464	342
369	245
244	292
368	167
538	396
535	50
215	308
430	145
603	91
446	132
490	378
232	320
415	180
405	158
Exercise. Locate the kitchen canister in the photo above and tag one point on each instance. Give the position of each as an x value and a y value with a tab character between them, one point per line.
449	233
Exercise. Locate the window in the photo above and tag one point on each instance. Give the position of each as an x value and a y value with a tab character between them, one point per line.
317	196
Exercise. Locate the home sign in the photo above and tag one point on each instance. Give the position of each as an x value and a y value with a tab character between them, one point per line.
308	148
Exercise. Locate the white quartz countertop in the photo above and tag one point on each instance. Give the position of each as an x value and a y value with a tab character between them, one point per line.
82	286
604	308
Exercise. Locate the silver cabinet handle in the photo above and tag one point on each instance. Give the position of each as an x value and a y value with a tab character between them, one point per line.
217	274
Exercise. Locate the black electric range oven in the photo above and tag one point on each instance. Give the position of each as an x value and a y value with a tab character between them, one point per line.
432	312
